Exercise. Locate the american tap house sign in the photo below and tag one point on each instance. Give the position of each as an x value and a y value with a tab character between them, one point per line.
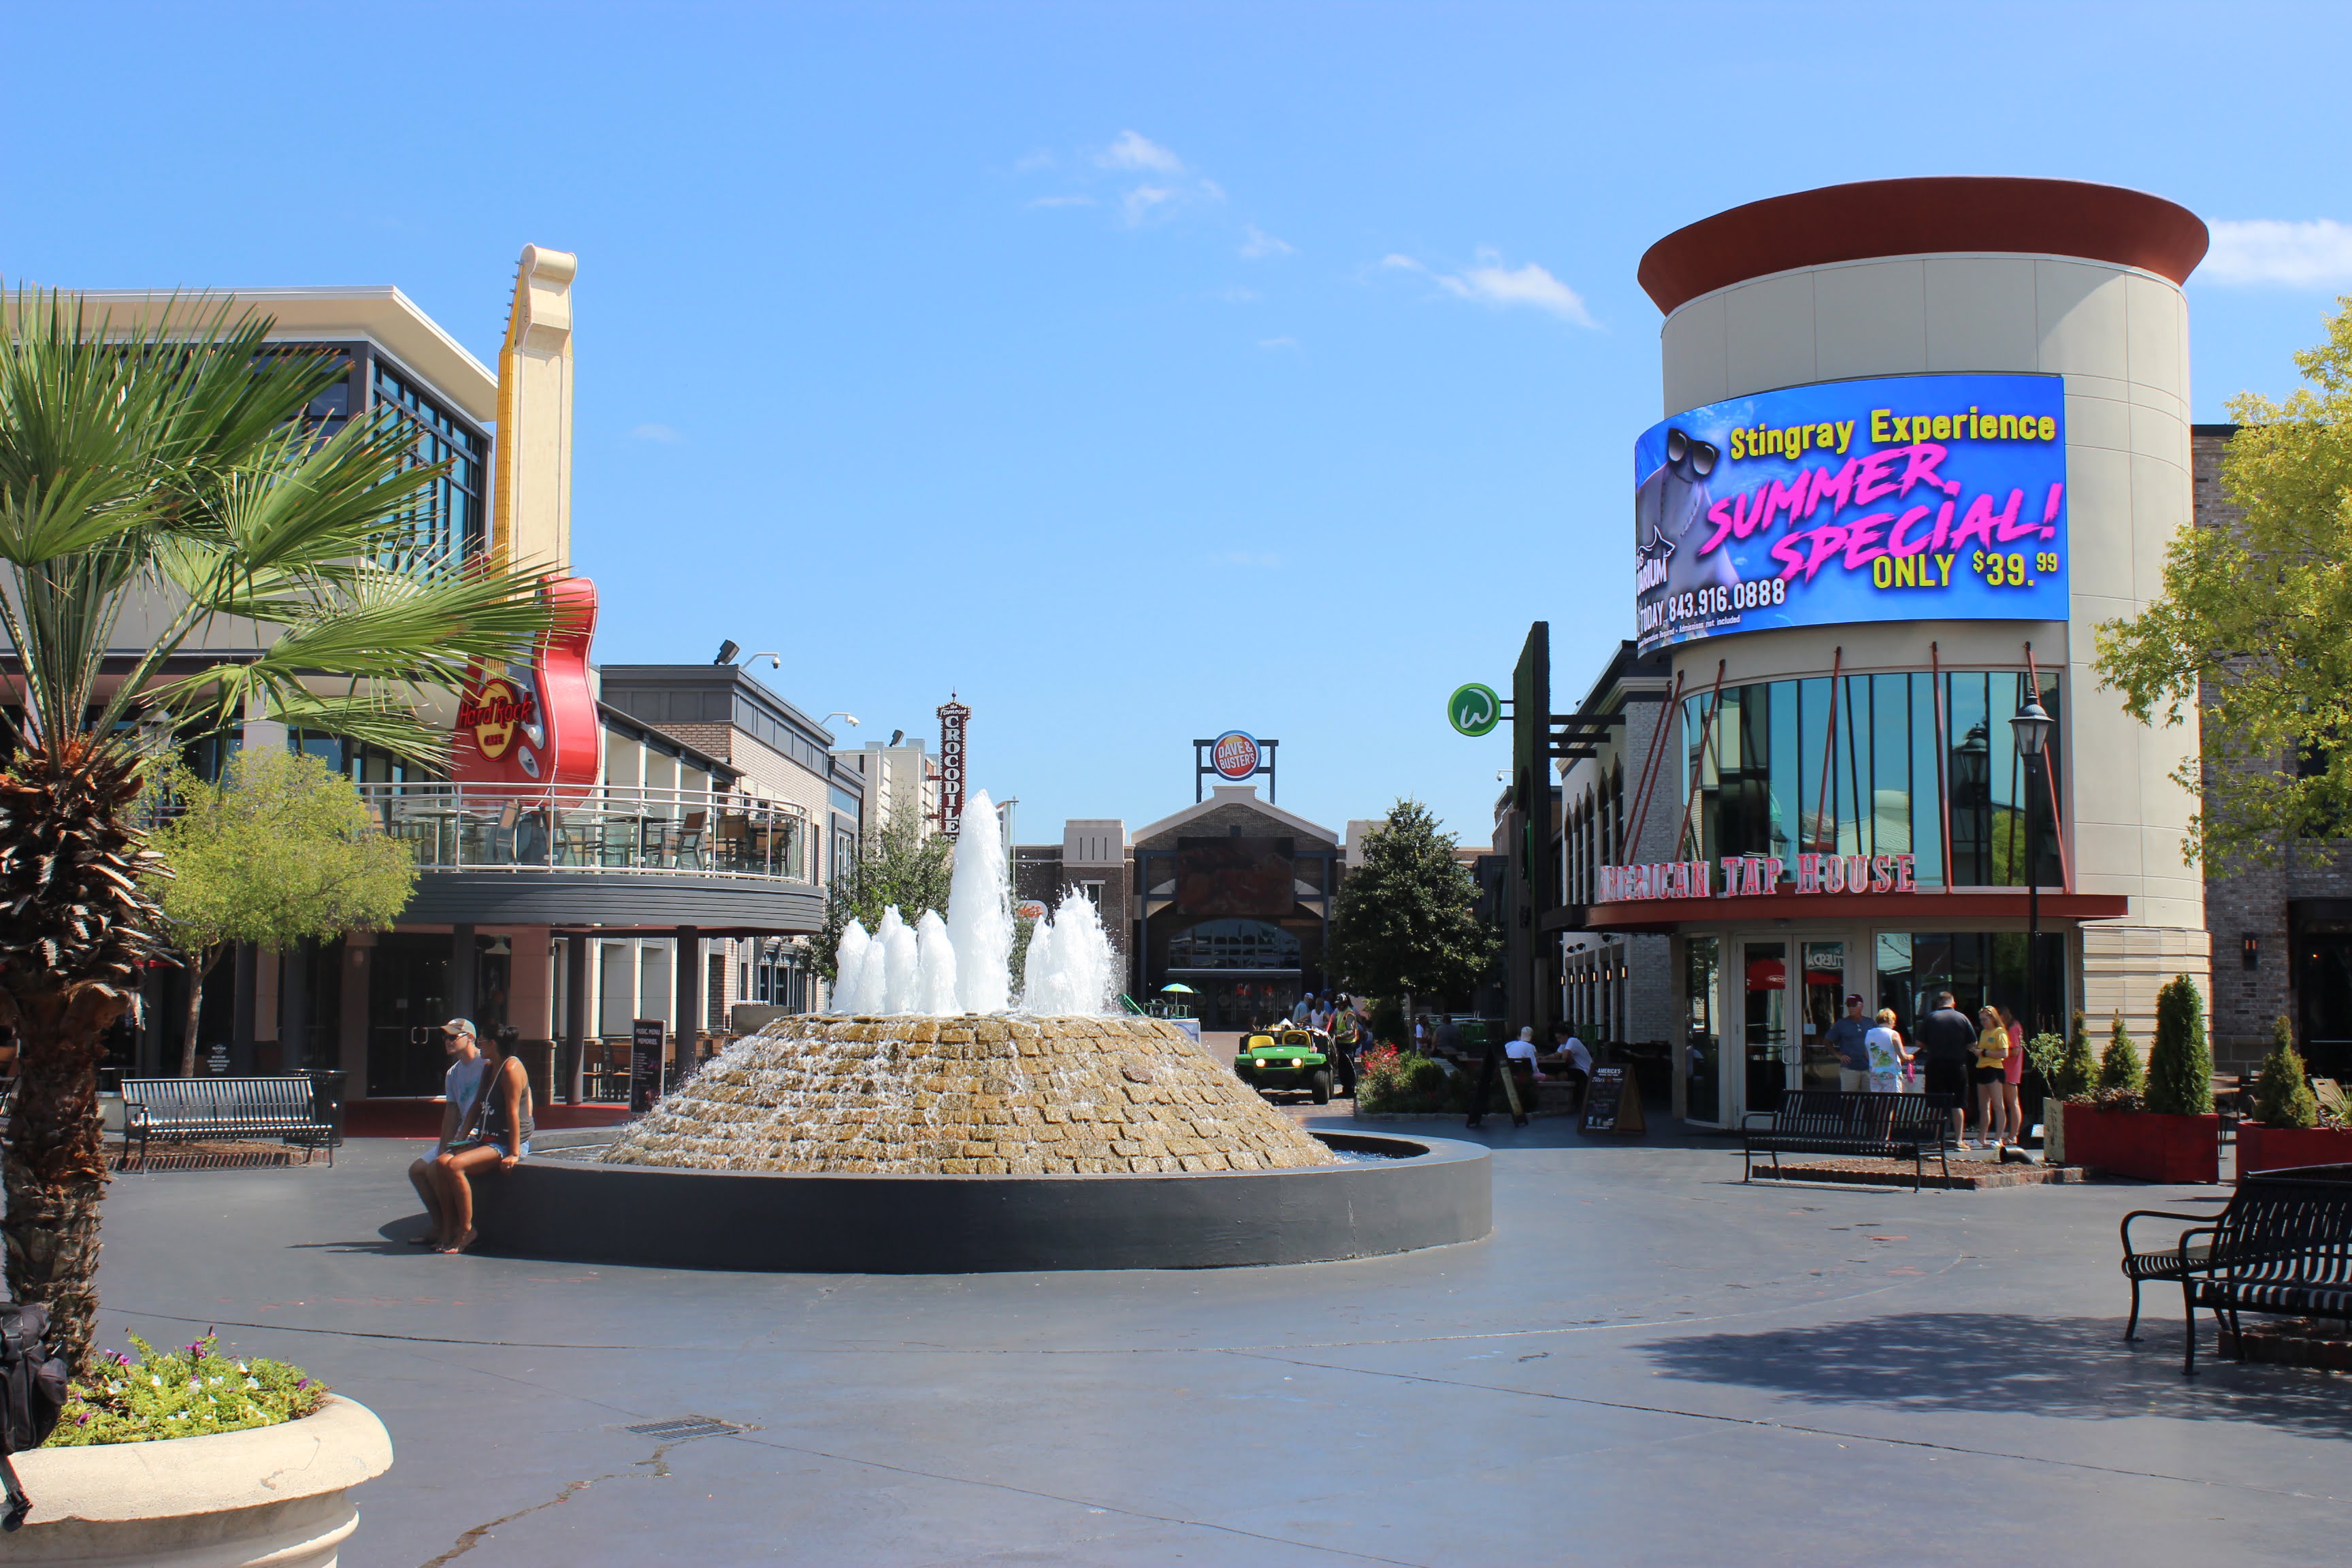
1754	876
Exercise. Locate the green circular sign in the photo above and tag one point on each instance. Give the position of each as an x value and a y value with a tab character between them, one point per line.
1475	709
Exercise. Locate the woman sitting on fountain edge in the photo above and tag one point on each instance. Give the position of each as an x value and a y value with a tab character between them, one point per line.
497	1133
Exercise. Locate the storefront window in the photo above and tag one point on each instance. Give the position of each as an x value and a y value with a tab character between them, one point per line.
1702	1035
1849	767
1981	969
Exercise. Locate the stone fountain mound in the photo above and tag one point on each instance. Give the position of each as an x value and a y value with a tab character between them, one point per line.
968	1095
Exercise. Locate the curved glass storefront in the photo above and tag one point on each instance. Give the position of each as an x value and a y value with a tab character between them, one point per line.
1852	765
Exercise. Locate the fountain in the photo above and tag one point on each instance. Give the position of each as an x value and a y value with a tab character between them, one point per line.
931	1123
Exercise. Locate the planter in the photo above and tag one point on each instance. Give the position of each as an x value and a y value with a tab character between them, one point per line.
2053	1131
2142	1143
276	1495
2261	1148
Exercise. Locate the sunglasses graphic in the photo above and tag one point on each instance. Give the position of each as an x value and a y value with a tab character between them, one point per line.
1695	459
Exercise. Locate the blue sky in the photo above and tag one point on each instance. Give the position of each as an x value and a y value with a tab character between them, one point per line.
1136	372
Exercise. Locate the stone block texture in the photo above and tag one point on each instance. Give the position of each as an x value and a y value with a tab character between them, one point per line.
968	1094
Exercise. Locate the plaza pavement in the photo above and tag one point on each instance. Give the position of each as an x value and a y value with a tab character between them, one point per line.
1648	1363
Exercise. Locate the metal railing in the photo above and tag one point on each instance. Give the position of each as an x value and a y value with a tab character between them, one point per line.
707	833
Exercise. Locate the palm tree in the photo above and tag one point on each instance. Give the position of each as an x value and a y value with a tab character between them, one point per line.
162	489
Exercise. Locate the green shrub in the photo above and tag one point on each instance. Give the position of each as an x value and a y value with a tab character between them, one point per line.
2181	1064
2282	1098
2119	1067
1389	1025
2078	1070
184	1393
1393	1082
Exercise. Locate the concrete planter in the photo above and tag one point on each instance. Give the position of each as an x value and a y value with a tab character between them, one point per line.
2142	1143
2053	1131
2261	1148
279	1496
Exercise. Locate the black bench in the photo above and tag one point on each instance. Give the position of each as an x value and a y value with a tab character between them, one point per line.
2281	1247
1871	1126
295	1110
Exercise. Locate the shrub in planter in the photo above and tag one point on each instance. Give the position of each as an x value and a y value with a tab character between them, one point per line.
2285	1131
2119	1067
2078	1070
2181	1064
190	1391
1391	1082
2282	1098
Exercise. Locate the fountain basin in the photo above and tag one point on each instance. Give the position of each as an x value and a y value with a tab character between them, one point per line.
561	1203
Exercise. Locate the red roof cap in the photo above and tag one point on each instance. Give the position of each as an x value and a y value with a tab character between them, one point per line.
1913	217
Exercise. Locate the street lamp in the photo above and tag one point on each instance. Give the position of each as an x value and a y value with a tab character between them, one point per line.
2031	725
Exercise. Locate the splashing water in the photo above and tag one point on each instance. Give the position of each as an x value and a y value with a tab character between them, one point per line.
900	986
1070	964
979	914
849	967
935	965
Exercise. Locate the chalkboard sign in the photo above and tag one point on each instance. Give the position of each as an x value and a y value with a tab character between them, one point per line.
1612	1102
644	1063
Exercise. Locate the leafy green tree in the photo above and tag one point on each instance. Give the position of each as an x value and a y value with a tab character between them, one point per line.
281	852
896	864
1406	920
2281	1097
2119	1067
2252	618
161	486
2180	1063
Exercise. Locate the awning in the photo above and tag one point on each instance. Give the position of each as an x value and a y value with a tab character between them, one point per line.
1919	910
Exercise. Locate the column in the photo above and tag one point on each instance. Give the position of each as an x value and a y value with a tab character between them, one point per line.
686	981
576	964
461	974
240	1028
294	1010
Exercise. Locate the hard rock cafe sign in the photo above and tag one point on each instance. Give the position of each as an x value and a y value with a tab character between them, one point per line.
955	731
533	726
1754	876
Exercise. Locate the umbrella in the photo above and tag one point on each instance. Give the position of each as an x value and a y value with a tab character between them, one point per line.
1178	986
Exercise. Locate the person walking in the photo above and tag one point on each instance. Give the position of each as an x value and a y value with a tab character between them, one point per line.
1991	1051
1846	1038
2012	1076
1945	1037
497	1135
459	1087
1889	1058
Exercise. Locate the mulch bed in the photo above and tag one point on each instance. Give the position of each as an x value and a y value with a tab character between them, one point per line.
1967	1175
2294	1342
201	1156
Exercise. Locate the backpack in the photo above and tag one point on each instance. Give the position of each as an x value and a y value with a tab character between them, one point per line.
32	1395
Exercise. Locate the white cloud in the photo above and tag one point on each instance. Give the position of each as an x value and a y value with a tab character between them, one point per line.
1492	283
1282	342
1141	204
1061	201
661	433
2265	250
1134	151
1030	162
1257	243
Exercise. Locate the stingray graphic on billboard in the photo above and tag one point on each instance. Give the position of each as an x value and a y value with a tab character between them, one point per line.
1898	498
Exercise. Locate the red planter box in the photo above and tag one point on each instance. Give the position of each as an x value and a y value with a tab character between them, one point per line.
2144	1144
2263	1148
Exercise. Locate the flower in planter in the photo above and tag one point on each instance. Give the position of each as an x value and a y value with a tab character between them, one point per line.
184	1393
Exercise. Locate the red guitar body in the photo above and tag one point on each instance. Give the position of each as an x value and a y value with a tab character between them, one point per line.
533	728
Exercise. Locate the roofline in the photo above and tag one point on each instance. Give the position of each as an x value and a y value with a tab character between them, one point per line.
378	313
1230	795
1939	215
742	677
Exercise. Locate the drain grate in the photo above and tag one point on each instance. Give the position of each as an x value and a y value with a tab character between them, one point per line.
685	1426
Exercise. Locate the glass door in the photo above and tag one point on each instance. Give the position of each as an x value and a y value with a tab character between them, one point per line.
1816	1063
1764	1022
1702	1029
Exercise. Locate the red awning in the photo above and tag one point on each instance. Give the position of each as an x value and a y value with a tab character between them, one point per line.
1920	911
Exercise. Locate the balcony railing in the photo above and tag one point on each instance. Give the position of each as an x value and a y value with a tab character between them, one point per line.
699	833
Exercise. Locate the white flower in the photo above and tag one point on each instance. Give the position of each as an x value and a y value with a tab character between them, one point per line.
253	1383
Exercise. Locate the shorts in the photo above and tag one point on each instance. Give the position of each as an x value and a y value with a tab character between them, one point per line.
1947	1075
1855	1081
1986	1075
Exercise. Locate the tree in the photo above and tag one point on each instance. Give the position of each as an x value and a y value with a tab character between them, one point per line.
2281	1097
1406	920
2180	1063
2119	1065
896	864
2076	1069
281	852
2251	617
167	479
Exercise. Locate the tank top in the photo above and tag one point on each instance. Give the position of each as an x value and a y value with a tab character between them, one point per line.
491	1110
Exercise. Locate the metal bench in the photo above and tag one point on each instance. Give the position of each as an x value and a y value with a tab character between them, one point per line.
1871	1126
2281	1247
294	1108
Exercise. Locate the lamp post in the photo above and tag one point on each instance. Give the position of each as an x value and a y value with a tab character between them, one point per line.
2031	727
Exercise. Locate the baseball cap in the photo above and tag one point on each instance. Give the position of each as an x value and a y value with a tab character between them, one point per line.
459	1027
1852	1000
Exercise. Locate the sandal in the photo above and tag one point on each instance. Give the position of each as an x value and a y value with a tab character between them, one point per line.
463	1242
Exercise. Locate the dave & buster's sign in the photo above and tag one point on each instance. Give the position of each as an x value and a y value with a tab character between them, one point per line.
1754	876
1235	755
1898	498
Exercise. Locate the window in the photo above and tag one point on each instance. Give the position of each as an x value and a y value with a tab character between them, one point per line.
1849	767
1234	944
1094	892
446	522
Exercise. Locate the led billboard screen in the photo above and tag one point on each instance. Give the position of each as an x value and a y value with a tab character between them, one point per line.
1899	498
